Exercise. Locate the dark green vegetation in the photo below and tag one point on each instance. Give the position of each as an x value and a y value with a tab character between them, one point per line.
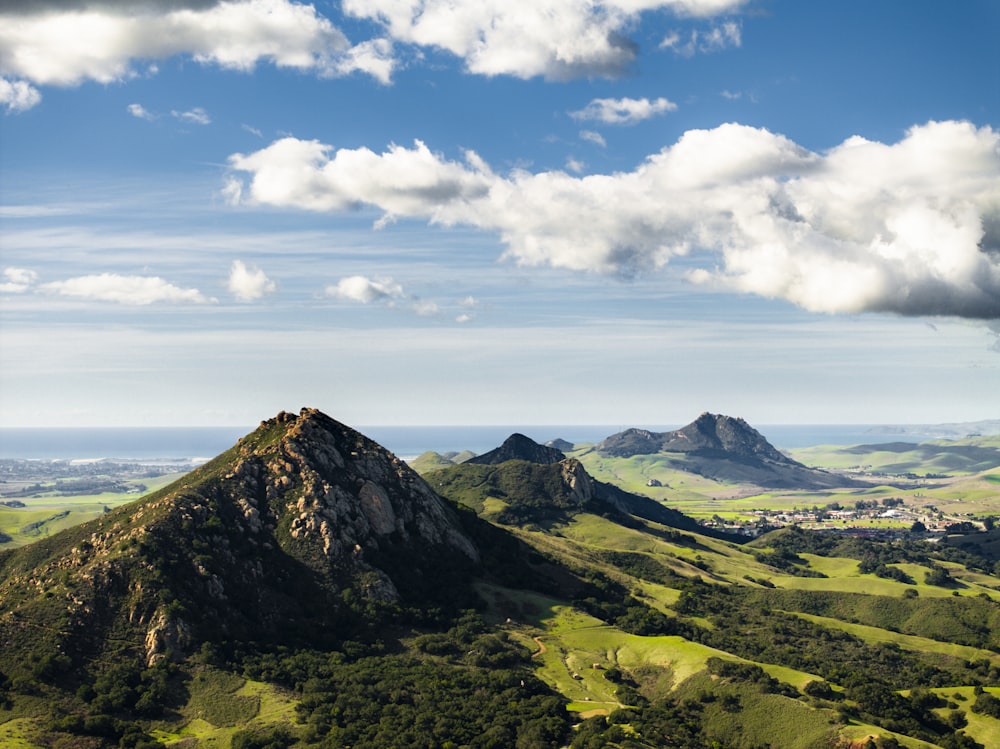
306	588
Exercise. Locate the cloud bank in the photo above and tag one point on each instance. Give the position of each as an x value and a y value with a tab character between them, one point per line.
67	42
556	39
67	45
911	227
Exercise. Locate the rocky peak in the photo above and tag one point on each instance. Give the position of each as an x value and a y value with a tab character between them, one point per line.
519	447
723	433
341	488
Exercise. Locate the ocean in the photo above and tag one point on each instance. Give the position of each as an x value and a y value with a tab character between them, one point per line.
200	443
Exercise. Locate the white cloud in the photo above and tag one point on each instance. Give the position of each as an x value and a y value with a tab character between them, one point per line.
909	227
623	111
67	43
591	137
366	290
17	280
402	181
100	43
575	165
140	112
18	96
196	116
728	34
557	39
374	57
130	290
248	284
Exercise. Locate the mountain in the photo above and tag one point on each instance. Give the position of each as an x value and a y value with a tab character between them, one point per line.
708	434
518	447
261	543
724	449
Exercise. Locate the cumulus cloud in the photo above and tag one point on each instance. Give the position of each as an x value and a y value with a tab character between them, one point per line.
728	34
18	96
248	284
130	290
17	280
911	227
623	111
68	43
401	181
383	291
366	290
556	39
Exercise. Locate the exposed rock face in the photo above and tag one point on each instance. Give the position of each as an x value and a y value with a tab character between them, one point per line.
519	447
167	638
344	489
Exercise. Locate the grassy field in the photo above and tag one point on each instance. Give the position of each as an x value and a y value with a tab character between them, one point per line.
48	512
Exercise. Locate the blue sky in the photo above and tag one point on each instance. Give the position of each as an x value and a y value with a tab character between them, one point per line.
422	212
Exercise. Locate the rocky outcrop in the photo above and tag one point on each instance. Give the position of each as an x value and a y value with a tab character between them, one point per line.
342	490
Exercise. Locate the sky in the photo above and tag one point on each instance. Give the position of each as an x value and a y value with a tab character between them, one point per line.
622	212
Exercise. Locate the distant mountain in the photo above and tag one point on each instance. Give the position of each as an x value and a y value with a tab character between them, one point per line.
709	433
519	490
519	447
560	444
725	449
